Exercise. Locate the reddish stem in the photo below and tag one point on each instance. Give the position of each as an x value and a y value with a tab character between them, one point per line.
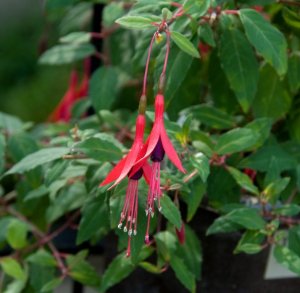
234	12
147	65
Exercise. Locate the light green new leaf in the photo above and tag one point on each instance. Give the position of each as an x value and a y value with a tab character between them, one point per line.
185	44
76	38
67	53
38	158
12	268
287	258
16	234
201	163
266	39
243	180
135	22
43	258
240	66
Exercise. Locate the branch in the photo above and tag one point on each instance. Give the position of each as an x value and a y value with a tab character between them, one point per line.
290	3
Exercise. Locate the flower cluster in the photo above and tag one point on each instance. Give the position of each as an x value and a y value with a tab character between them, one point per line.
135	165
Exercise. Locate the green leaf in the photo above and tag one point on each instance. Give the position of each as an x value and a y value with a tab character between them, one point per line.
194	198
10	123
294	239
262	126
265	157
198	7
287	258
12	268
179	66
250	243
247	218
38	158
236	140
2	152
222	225
67	53
149	267
76	38
104	86
170	211
50	286
201	163
184	44
240	66
274	189
166	244
17	234
288	210
266	39
294	73
95	216
100	149
135	22
271	91
81	271
191	252
37	193
207	34
112	11
42	258
243	180
183	274
211	116
119	269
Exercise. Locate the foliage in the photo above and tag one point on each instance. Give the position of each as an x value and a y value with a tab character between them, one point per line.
233	115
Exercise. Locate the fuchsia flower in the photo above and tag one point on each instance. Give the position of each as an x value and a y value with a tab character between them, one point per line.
129	213
157	144
74	93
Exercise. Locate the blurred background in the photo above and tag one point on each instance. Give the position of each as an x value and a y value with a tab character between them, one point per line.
27	89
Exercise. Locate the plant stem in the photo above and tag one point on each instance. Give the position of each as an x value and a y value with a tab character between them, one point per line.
290	3
147	65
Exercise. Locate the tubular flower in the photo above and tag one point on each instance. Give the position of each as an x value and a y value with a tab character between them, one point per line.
157	144
120	171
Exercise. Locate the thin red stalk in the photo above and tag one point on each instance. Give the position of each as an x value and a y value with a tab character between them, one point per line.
163	73
234	12
147	65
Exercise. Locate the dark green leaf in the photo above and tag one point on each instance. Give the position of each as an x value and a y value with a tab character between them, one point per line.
271	91
201	163
119	268
266	39
250	243
182	273
240	66
51	285
166	244
104	88
170	211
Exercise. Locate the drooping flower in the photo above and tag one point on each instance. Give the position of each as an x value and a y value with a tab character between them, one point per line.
74	93
157	145
129	212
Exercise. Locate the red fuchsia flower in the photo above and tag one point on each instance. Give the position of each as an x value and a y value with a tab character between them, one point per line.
123	169
74	93
157	144
62	111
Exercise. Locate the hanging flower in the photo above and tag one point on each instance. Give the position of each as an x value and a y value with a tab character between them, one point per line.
157	144
129	212
74	93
